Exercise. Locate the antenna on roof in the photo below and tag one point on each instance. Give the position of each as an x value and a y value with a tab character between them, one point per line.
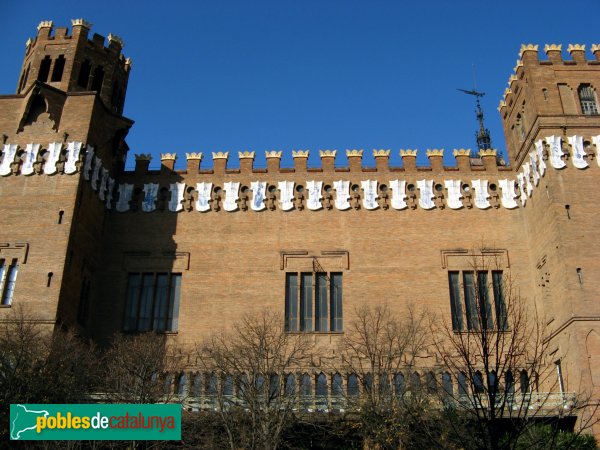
484	140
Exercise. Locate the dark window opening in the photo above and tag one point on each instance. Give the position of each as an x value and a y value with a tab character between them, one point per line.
59	67
44	69
49	282
152	302
24	78
84	74
98	79
61	213
587	98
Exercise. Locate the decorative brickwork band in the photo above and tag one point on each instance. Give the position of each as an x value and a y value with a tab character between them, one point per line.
246	155
220	155
193	155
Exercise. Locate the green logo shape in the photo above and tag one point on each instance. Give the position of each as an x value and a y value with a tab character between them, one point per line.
95	422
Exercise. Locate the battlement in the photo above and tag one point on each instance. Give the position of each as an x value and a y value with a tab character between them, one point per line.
529	57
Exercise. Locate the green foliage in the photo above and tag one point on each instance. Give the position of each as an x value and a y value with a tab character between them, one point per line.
545	436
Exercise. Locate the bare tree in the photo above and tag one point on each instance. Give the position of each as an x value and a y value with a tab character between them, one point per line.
497	351
140	369
378	353
253	381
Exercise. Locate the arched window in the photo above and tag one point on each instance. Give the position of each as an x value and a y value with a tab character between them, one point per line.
273	385
478	382
587	98
242	385
290	385
211	388
197	389
352	387
399	384
336	386
259	383
509	381
306	386
447	384
368	383
227	385
462	384
168	384
384	384
524	379
415	381
321	385
182	388
431	383
493	382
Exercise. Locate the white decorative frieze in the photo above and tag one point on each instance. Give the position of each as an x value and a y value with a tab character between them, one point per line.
87	165
110	185
426	194
52	156
576	143
125	192
527	178
103	181
481	193
508	194
31	154
342	194
314	195
73	151
596	141
232	189
96	173
259	189
454	194
204	190
286	195
150	195
534	168
370	197
556	152
398	188
9	153
176	190
539	149
521	183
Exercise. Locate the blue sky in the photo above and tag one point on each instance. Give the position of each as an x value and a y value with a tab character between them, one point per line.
282	75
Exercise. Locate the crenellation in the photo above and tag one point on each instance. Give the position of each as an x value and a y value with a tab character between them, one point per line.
167	162
436	159
98	40
246	161
220	162
488	156
463	158
596	51
300	160
327	159
554	53
382	158
273	158
577	52
409	159
142	163
529	54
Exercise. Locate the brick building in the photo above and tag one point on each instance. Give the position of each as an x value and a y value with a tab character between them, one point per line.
186	252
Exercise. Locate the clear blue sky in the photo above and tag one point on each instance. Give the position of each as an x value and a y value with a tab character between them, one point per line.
291	74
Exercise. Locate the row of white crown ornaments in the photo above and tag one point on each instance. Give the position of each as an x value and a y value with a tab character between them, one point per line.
100	181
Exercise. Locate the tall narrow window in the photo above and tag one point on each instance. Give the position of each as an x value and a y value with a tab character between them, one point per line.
98	79
485	306
352	387
291	302
11	279
455	301
24	78
470	304
84	74
44	69
2	276
587	98
152	302
321	303
306	297
498	283
462	384
336	302
59	67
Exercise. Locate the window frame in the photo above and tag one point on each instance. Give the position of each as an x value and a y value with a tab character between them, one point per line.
314	302
149	306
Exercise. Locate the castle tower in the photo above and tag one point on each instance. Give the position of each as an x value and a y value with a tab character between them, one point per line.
72	63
